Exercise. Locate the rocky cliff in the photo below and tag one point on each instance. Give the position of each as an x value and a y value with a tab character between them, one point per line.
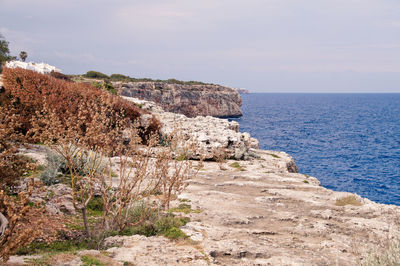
190	100
212	135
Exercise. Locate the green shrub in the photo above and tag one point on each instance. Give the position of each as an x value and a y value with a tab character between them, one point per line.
110	88
57	246
96	75
124	78
96	204
90	260
105	86
175	233
158	225
119	77
235	165
167	222
50	175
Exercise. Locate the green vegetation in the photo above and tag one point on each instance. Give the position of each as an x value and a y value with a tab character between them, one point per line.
125	78
185	208
4	52
274	155
23	55
105	85
57	246
96	75
167	226
184	200
90	260
237	166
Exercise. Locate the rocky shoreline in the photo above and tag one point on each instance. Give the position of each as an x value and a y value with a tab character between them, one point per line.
257	212
252	209
260	211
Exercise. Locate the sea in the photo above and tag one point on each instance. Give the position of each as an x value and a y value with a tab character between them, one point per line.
350	142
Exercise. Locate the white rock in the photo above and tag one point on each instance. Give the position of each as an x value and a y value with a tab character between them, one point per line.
212	134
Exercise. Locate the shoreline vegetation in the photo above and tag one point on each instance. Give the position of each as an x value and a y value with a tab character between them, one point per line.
100	170
124	78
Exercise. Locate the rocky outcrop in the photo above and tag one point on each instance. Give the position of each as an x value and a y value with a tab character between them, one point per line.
190	100
243	91
212	135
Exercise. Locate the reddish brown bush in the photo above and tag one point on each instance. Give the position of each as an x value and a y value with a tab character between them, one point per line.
29	92
12	165
25	222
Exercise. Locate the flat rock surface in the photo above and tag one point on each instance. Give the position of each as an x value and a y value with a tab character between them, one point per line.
256	212
261	214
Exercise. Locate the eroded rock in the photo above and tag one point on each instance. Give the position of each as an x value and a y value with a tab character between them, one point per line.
213	135
190	100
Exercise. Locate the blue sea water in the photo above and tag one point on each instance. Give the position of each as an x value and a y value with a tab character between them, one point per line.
350	142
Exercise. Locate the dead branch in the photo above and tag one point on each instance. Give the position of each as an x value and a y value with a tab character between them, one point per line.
3	224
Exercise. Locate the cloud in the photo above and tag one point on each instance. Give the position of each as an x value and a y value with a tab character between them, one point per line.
231	41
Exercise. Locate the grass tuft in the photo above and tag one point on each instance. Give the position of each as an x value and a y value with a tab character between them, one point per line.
88	260
237	166
348	200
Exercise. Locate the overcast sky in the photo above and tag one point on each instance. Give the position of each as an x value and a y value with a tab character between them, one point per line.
261	45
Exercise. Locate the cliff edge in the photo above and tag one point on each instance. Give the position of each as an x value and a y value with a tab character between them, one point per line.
189	100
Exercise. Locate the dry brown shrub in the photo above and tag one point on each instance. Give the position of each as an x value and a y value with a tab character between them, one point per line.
104	131
30	92
174	166
220	156
24	222
348	200
12	165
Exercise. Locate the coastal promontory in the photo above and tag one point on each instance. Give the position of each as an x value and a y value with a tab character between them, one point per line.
187	99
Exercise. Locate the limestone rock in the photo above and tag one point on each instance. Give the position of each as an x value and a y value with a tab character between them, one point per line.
60	200
212	134
141	250
190	100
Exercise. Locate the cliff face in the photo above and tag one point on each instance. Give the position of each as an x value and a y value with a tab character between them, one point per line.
190	100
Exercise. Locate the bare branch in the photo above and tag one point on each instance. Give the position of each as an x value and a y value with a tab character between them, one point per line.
3	224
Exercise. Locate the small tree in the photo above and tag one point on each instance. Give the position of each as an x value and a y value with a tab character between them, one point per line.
23	55
4	52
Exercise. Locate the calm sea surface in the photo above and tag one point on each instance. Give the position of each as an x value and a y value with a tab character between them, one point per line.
350	142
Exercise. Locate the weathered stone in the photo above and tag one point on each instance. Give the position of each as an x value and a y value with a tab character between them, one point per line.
214	135
190	100
141	250
60	200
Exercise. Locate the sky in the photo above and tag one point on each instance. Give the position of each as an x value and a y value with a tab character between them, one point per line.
260	45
